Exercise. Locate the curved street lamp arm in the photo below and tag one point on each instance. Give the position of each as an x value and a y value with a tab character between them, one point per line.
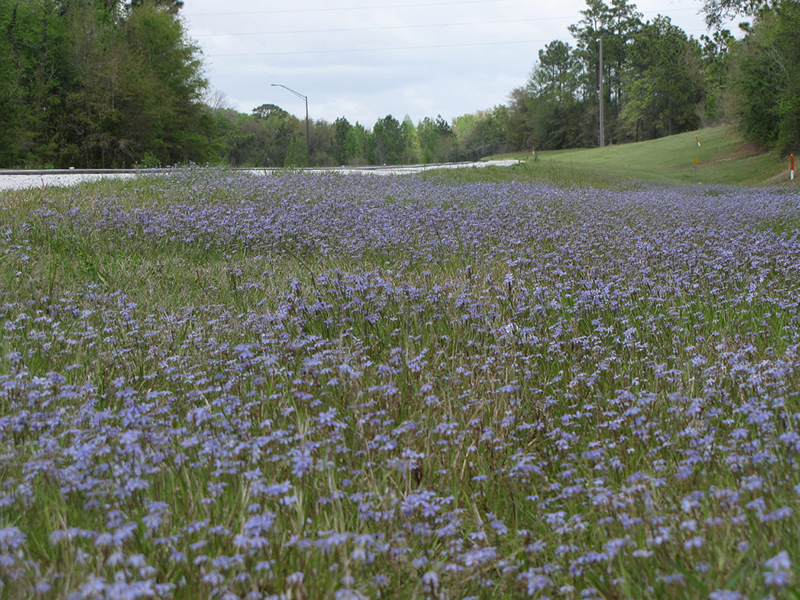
308	130
296	93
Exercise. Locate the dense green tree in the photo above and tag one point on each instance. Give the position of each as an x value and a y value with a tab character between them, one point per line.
556	75
14	137
436	139
615	24
388	141
464	126
163	84
767	78
266	112
277	128
263	138
655	82
489	135
338	151
552	106
481	133
358	145
93	130
32	71
717	11
99	83
428	138
664	82
716	58
322	135
521	119
412	150
230	143
296	154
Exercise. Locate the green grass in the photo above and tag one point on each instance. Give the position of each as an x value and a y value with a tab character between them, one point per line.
722	159
497	356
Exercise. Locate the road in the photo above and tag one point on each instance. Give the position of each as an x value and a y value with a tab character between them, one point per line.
17	180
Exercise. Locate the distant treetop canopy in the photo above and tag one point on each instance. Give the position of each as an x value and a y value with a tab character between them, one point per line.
717	11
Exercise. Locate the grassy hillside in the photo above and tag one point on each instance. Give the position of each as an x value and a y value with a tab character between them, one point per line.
722	158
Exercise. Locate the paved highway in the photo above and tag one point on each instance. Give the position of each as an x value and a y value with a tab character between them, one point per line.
17	180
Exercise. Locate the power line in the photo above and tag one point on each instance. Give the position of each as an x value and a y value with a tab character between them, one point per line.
384	6
346	8
390	49
387	49
391	27
396	27
388	27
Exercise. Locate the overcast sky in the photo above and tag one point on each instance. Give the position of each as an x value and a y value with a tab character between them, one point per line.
365	59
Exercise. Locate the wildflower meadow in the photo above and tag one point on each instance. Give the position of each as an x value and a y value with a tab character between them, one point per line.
302	386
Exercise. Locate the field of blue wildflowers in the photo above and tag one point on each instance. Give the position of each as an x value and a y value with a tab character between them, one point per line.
322	386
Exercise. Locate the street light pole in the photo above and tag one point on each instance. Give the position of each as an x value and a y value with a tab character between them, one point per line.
308	136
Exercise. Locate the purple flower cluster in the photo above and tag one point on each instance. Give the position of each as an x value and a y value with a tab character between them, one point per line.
330	386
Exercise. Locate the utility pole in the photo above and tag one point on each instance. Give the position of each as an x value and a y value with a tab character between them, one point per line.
602	119
308	136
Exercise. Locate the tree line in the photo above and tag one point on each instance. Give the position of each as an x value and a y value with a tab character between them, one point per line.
118	83
100	83
654	80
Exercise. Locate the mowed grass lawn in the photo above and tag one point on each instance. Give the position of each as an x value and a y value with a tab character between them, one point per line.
722	159
215	385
